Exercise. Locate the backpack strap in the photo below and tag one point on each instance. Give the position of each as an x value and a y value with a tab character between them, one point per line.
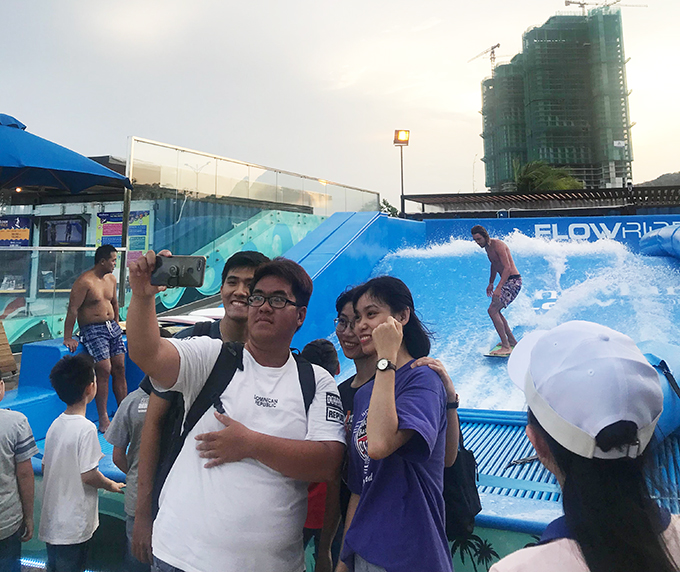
307	380
202	328
229	360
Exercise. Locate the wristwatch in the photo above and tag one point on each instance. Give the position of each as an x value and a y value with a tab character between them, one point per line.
453	404
385	364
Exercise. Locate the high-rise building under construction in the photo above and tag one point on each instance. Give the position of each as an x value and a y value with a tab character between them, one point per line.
562	100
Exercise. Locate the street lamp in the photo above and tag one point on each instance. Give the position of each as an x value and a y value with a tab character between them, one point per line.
401	137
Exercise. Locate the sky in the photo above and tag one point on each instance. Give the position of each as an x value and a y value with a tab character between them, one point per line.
314	87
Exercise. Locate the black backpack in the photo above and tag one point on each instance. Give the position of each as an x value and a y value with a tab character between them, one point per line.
461	498
202	328
175	431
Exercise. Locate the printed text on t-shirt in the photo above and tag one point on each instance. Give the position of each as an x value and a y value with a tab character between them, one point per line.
334	411
265	401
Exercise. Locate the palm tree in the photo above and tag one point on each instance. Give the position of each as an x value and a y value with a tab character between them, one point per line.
539	176
467	545
486	555
386	207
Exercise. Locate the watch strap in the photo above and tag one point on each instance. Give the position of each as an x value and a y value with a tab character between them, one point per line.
389	365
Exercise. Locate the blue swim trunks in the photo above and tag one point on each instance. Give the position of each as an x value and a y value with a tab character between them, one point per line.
102	341
510	289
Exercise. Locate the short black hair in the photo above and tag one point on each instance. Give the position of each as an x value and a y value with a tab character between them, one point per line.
70	377
322	352
104	252
345	298
479	229
393	292
243	259
300	282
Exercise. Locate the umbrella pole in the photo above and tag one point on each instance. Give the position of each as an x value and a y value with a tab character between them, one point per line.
127	197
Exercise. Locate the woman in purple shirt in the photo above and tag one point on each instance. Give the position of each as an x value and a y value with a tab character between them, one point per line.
395	520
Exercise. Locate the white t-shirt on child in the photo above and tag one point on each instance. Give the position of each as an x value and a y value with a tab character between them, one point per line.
70	507
242	516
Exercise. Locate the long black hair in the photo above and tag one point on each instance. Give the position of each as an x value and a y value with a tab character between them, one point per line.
608	507
397	296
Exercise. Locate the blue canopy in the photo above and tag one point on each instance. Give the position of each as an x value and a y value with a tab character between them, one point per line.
27	160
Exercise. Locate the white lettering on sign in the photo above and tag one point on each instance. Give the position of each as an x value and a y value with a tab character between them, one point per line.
556	234
574	235
589	231
637	229
604	232
542	230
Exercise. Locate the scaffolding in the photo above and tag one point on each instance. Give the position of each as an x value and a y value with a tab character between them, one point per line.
504	130
564	101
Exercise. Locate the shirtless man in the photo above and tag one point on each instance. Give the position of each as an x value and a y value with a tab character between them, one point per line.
508	287
94	303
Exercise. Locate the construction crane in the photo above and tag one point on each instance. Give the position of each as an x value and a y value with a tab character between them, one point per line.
617	3
492	56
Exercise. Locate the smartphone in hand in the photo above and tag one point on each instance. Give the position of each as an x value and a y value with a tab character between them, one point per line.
174	271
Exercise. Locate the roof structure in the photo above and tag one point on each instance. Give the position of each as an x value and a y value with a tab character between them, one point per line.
472	204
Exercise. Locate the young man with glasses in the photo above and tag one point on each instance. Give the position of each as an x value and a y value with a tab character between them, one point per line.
237	276
235	498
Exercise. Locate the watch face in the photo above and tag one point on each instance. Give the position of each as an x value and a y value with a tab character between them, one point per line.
383	364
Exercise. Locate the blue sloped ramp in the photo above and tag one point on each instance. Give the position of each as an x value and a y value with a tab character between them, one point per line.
342	252
663	241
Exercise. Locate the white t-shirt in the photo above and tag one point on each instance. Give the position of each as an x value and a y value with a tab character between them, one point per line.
70	507
564	555
242	516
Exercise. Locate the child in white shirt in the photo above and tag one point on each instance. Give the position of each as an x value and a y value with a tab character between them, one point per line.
71	475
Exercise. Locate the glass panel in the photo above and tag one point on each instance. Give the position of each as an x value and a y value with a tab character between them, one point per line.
291	190
37	311
371	201
355	200
196	174
262	184
337	199
154	165
232	179
320	200
14	272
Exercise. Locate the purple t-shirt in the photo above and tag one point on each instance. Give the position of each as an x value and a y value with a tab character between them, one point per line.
399	522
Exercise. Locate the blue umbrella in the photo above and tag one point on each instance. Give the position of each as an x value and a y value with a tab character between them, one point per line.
27	160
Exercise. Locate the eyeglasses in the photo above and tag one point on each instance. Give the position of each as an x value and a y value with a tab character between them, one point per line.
277	302
341	324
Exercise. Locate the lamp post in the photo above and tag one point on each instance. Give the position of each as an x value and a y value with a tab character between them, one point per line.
401	137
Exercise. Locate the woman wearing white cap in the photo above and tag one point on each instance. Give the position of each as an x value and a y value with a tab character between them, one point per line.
594	402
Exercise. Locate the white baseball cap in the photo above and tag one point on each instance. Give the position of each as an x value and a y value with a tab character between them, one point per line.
581	377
